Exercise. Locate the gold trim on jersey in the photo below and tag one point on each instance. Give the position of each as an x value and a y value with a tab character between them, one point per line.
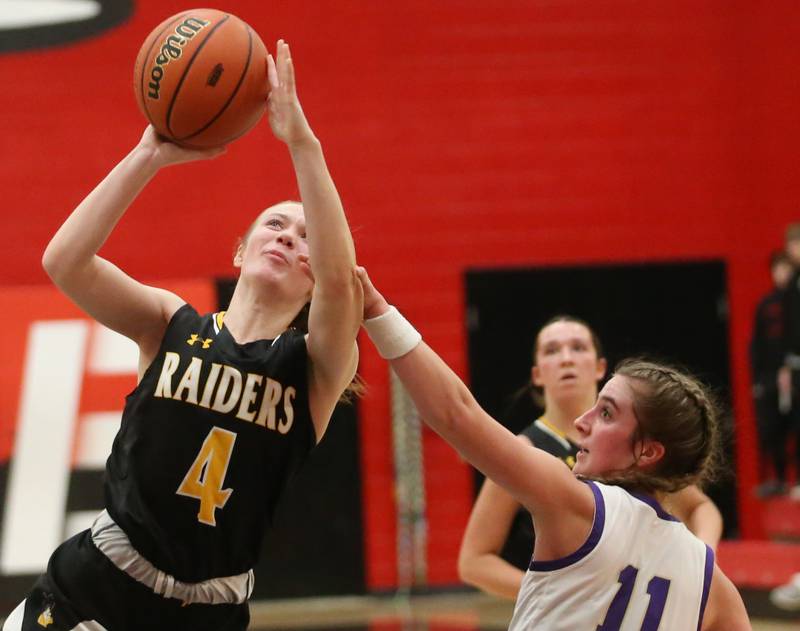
543	424
556	433
218	320
553	427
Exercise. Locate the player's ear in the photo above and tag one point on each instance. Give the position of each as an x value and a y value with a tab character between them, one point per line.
536	378
237	256
602	366
651	452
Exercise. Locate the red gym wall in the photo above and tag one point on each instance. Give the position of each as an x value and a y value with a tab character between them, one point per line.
469	133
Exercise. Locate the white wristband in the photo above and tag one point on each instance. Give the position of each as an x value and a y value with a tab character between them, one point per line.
392	334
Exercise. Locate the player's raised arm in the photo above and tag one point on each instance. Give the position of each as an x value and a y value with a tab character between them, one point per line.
539	481
335	312
99	287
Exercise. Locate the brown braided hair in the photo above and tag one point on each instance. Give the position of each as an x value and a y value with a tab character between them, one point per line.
675	409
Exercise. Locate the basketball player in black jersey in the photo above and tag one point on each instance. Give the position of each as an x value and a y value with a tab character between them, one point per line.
227	406
568	363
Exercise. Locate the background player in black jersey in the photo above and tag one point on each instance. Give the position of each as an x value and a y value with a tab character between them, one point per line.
227	405
568	364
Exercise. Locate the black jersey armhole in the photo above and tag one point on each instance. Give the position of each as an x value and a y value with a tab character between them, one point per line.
298	343
175	317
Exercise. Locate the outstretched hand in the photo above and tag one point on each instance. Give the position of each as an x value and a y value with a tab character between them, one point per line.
374	302
286	117
167	153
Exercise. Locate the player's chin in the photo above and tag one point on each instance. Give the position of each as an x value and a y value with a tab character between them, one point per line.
266	274
581	466
271	279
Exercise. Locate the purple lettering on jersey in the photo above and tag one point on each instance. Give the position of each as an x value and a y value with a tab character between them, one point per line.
591	541
618	607
709	571
657	588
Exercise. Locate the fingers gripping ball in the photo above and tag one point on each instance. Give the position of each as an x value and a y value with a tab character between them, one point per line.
201	78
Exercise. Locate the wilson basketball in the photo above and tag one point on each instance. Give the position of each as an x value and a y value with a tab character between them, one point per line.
201	78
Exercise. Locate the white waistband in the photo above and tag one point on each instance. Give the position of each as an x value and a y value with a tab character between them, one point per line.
112	541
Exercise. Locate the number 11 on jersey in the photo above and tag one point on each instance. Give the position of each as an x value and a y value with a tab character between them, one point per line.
205	477
657	590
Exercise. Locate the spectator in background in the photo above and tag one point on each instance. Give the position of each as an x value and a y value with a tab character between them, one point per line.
771	389
790	375
788	596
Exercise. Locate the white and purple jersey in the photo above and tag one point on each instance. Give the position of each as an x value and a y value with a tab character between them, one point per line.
640	569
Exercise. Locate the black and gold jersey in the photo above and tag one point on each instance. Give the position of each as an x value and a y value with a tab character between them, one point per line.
209	439
518	547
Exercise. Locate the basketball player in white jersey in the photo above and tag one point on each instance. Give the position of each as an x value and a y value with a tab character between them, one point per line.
568	364
607	556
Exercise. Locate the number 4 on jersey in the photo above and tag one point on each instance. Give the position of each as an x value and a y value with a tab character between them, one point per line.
206	475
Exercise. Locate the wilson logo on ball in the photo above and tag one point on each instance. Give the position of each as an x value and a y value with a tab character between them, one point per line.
200	78
172	48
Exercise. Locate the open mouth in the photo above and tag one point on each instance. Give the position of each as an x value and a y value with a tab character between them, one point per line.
568	377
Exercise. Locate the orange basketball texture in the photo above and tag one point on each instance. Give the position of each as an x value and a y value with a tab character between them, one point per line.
200	78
